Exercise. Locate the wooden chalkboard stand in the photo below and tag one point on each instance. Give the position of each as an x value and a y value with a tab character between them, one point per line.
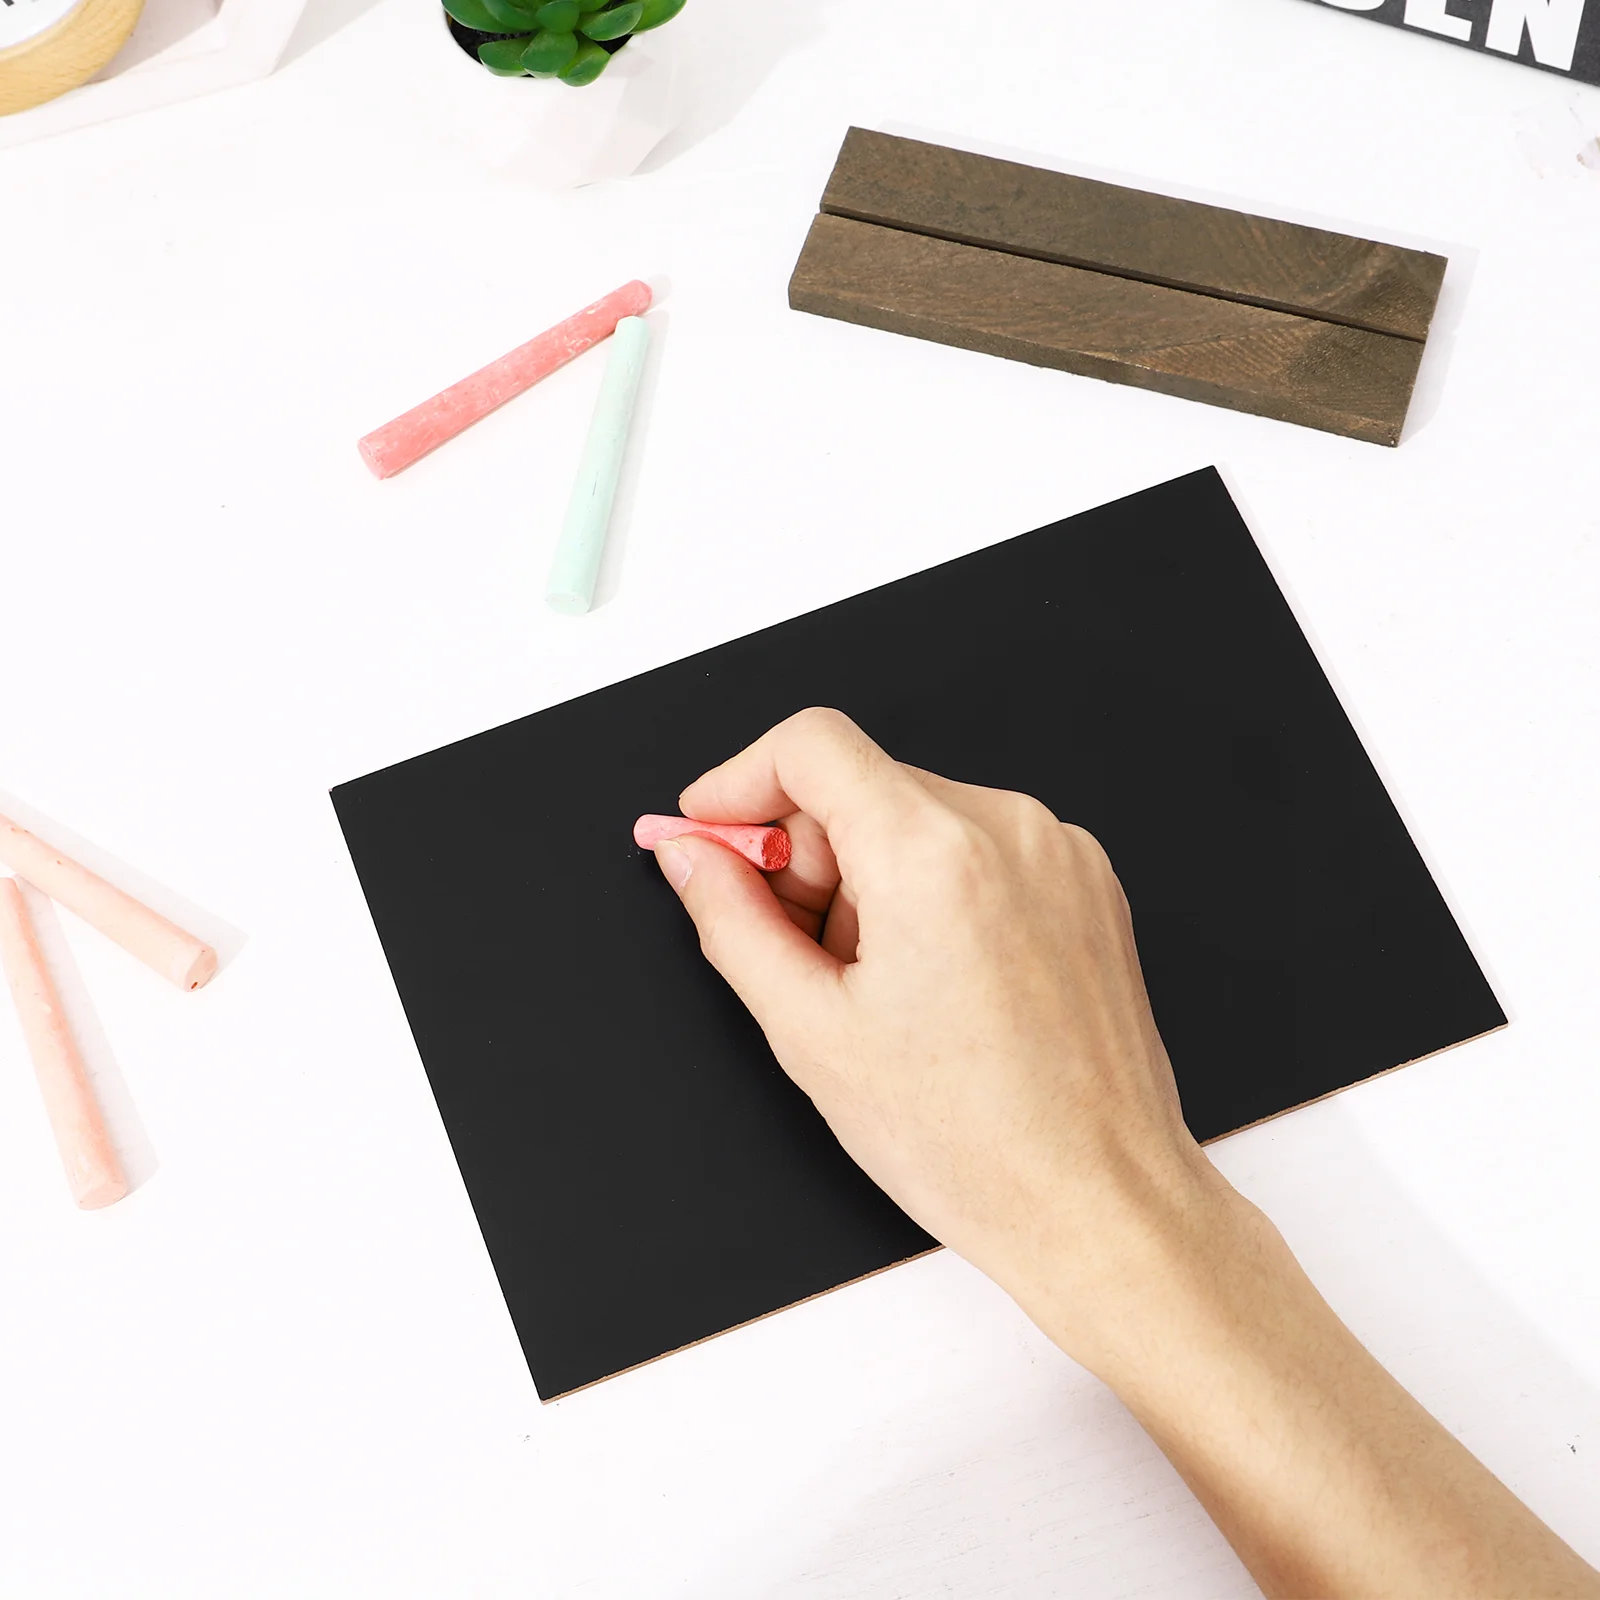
1192	300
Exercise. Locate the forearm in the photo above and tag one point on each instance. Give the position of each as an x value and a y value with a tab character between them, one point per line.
1323	1473
951	975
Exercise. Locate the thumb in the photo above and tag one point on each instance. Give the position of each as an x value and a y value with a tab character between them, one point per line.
744	933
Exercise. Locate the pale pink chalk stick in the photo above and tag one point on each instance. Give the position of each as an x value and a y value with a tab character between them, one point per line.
767	848
189	962
394	446
93	1170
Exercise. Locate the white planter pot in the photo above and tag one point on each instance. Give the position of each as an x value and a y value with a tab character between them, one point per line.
554	136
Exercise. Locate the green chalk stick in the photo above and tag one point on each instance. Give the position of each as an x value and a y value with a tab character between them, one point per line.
583	538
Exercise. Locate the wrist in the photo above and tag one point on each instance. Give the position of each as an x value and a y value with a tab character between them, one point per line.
1119	1289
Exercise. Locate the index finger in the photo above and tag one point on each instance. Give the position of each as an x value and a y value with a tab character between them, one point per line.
819	762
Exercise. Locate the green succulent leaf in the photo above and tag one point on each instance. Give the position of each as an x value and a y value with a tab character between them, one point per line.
548	53
473	14
559	16
512	16
658	11
502	56
586	66
617	23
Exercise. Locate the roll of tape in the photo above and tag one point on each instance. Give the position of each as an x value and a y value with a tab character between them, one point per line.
50	46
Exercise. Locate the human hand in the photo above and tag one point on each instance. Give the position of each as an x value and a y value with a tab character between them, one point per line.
949	973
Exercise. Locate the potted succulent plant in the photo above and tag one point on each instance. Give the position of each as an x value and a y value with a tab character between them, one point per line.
607	48
573	40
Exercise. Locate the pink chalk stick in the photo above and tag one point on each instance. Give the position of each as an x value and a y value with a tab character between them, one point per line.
189	962
93	1170
394	446
767	848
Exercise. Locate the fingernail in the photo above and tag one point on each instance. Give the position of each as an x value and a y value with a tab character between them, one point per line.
675	863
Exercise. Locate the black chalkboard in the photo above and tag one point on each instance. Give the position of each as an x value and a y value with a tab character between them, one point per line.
1558	35
643	1172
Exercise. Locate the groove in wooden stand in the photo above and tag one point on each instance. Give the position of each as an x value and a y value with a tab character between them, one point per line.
1192	300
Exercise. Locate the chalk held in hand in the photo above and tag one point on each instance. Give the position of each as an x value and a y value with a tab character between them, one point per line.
583	537
189	962
93	1170
766	848
393	447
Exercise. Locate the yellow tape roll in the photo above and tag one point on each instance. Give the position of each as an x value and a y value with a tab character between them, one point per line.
50	46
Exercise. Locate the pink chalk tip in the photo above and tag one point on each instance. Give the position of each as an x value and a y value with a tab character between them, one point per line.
189	962
766	848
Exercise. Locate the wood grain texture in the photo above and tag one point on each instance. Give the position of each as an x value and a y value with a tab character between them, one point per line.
1080	222
1319	374
66	55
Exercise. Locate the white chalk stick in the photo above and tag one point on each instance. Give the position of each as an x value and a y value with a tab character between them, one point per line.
93	1170
583	539
189	962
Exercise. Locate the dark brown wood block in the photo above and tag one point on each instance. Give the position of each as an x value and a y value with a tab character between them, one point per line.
1079	222
1320	374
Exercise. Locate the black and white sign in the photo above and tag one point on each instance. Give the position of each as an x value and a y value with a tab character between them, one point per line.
1559	35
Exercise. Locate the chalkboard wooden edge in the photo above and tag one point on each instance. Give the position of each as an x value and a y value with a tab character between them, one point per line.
749	1322
923	1255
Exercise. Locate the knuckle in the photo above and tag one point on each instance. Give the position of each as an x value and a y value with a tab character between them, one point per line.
1090	861
937	840
829	738
828	746
1032	818
1085	844
823	723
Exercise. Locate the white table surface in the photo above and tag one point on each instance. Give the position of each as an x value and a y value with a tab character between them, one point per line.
282	1366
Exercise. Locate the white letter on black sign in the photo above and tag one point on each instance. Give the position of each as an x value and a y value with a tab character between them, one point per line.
1431	14
1552	27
